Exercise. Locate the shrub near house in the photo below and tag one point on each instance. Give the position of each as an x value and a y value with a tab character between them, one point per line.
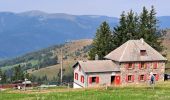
130	63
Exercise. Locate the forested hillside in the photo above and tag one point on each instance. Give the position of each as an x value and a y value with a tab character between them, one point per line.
46	62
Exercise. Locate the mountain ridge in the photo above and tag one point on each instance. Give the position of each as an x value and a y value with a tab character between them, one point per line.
25	32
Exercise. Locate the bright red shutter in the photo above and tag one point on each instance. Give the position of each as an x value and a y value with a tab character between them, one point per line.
157	77
155	65
139	77
126	78
82	79
77	76
97	79
148	65
133	78
90	80
127	66
133	65
139	65
145	77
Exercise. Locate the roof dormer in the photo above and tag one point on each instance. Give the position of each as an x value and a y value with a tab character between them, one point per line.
143	53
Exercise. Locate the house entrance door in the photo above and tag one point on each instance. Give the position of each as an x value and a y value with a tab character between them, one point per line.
117	80
112	80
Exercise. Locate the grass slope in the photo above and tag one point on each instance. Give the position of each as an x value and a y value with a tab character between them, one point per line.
161	92
71	52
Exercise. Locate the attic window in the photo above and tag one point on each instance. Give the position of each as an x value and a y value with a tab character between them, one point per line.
143	52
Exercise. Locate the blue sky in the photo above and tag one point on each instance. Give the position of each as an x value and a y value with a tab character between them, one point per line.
85	7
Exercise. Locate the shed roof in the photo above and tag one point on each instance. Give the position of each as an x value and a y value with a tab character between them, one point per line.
130	51
98	66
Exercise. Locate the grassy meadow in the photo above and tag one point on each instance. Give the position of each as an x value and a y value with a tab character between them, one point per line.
161	92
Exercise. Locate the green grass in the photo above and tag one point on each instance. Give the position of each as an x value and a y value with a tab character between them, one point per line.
161	92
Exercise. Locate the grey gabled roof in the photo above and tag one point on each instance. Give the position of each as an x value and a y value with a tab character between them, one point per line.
98	66
130	51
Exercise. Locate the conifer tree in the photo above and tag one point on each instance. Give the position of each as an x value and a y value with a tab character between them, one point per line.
18	73
127	28
3	76
103	42
144	26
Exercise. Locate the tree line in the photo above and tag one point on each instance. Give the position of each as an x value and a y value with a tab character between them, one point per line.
131	26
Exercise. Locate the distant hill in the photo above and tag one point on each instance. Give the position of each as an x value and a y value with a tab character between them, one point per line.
25	32
38	63
21	33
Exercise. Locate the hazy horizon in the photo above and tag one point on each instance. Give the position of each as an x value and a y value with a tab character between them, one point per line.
111	8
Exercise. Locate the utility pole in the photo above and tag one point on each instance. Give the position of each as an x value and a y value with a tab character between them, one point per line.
0	83
25	78
61	78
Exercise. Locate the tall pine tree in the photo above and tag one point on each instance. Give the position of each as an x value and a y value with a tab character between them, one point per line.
132	26
102	43
18	74
127	28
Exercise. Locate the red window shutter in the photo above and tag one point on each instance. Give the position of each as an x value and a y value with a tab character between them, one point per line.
133	65
90	80
76	76
97	79
148	65
133	78
157	77
82	79
145	77
155	65
139	65
139	77
127	66
126	78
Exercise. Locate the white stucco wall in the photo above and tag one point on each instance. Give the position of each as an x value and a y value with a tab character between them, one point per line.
78	82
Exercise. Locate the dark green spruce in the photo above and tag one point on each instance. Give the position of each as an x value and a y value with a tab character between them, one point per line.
102	43
133	26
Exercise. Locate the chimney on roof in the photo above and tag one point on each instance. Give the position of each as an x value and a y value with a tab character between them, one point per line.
142	40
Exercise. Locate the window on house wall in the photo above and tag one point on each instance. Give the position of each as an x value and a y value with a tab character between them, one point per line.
155	65
130	78
143	52
130	66
142	65
142	77
82	78
76	76
93	80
